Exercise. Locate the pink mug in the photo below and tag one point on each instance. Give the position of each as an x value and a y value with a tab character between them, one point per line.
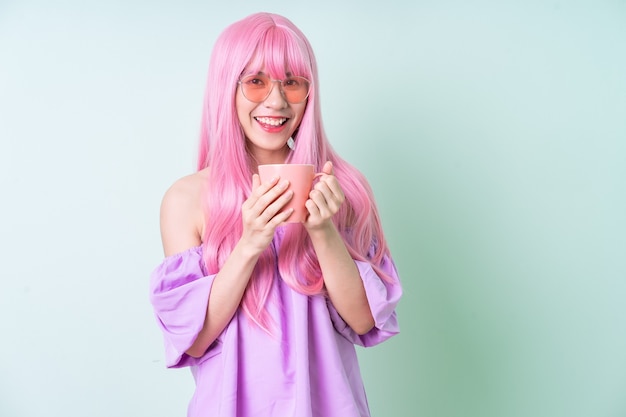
300	177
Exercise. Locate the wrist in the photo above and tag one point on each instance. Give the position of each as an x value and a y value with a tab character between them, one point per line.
323	232
246	251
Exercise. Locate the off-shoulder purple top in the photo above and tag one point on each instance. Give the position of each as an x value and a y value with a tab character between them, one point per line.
308	369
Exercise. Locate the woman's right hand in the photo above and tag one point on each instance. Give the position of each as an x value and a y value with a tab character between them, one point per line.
260	219
260	212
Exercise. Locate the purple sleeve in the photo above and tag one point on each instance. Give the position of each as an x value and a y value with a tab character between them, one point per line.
179	293
383	297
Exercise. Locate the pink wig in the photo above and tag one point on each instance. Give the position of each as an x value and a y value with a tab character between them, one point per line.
272	42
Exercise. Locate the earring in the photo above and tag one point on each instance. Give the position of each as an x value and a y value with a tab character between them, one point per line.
291	143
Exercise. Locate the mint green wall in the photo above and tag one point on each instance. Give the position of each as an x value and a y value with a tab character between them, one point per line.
498	153
492	132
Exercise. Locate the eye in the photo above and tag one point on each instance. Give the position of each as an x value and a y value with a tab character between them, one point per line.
255	81
294	83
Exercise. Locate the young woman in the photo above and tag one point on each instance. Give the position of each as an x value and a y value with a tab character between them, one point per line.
267	313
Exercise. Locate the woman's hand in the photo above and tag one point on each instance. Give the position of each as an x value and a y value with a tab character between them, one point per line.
324	201
260	212
341	276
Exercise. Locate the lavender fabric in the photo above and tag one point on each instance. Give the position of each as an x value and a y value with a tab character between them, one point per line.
308	368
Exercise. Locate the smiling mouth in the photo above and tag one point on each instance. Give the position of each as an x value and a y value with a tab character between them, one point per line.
272	121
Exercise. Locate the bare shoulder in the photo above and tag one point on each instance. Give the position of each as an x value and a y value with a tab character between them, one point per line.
182	216
186	190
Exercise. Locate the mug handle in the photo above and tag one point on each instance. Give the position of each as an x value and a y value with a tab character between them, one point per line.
316	176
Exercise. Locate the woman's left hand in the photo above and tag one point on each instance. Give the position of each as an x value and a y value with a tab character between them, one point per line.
325	199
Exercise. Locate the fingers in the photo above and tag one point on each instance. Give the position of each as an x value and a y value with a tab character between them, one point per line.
273	196
261	212
326	197
256	181
330	189
327	201
266	201
260	189
330	181
270	213
328	168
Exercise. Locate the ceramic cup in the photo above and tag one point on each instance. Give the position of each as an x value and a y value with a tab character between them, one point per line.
300	177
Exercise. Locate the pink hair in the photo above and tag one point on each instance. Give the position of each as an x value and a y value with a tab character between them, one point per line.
272	42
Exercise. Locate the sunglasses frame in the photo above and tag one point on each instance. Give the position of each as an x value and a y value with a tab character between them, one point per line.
271	81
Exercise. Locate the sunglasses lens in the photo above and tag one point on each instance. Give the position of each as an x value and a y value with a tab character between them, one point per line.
296	89
256	88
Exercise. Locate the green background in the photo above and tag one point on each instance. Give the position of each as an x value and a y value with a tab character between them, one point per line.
492	132
499	161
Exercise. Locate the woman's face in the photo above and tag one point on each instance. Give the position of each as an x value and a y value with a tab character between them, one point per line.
268	125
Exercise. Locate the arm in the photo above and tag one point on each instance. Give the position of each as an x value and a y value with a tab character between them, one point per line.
341	276
181	225
342	279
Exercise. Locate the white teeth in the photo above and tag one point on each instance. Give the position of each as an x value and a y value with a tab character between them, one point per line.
271	121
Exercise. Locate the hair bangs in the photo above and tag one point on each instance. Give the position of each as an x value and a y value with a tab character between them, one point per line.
281	52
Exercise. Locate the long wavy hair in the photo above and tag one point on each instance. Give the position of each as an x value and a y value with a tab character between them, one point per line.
273	43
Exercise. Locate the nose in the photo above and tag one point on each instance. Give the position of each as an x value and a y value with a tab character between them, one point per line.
276	98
